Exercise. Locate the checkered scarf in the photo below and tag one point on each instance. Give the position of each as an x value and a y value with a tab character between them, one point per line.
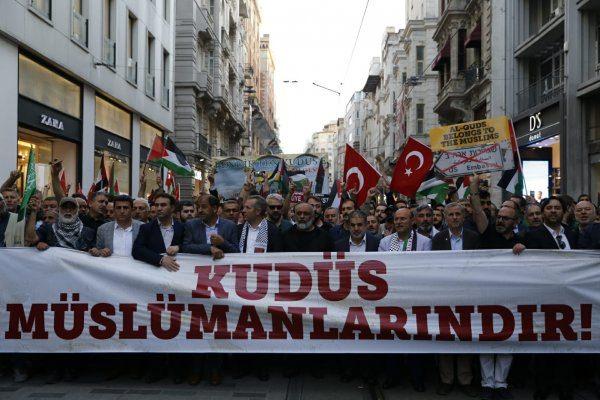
262	239
68	234
396	243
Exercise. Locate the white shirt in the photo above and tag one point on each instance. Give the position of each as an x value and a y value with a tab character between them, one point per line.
167	234
562	235
122	241
251	239
357	248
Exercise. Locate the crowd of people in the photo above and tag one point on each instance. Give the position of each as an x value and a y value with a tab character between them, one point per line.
155	231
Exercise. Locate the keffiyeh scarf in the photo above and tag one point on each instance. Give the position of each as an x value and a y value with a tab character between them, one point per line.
262	239
398	245
67	234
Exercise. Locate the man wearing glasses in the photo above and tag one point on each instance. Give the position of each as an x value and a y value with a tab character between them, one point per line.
275	213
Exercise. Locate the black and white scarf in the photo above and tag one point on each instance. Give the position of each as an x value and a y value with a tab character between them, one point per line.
397	244
262	239
68	234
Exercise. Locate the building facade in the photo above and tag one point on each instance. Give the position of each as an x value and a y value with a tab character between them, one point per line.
85	79
349	131
324	143
266	138
209	84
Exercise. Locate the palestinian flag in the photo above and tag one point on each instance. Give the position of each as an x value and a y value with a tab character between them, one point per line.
79	190
116	188
280	177
433	188
176	192
512	180
170	182
462	186
335	195
102	182
320	177
169	156
63	182
111	181
30	185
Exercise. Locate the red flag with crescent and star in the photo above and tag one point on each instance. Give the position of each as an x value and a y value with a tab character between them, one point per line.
359	174
412	167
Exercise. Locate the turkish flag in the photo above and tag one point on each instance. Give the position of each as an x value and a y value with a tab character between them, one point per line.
412	167
359	174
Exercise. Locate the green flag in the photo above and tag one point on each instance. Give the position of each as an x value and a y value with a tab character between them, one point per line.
29	185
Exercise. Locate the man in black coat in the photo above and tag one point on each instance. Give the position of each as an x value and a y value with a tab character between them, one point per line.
360	239
551	370
160	236
305	236
456	238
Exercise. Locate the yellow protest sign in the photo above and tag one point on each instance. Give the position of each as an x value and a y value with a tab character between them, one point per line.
470	134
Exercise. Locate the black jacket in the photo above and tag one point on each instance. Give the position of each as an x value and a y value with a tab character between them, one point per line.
149	244
441	241
297	241
540	238
372	244
590	238
274	244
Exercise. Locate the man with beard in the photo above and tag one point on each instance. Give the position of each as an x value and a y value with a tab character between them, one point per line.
438	217
153	212
424	221
381	212
494	367
305	236
275	212
373	226
141	209
209	234
551	370
318	206
68	232
231	211
331	216
455	238
342	231
187	211
96	215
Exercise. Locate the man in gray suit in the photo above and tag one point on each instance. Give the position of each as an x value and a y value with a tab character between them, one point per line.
117	237
209	234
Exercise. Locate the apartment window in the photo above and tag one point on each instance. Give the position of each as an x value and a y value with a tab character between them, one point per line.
166	10
108	33
42	8
131	49
150	65
597	39
79	24
165	79
420	58
462	51
404	77
420	118
550	9
211	7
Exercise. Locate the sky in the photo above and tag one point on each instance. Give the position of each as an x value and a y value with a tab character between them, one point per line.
311	41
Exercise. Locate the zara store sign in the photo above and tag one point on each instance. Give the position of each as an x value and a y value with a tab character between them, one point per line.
52	122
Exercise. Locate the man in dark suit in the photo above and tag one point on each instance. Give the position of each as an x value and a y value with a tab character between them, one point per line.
209	234
360	239
456	238
551	370
257	234
160	236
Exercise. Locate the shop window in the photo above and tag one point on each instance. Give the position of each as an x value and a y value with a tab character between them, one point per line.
46	149
38	83
151	171
147	134
121	166
593	120
112	118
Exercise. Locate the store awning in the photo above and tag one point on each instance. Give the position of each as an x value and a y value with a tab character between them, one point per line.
474	38
443	55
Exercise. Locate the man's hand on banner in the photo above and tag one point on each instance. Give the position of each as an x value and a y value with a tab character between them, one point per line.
105	252
518	249
169	263
41	246
217	240
172	250
216	253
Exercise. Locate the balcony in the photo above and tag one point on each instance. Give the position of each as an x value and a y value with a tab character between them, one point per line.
108	51
550	33
205	82
451	99
453	9
131	74
225	42
547	89
79	28
164	96
203	146
150	78
473	75
218	152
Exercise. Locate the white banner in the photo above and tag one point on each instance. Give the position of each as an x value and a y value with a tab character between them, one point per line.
432	302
